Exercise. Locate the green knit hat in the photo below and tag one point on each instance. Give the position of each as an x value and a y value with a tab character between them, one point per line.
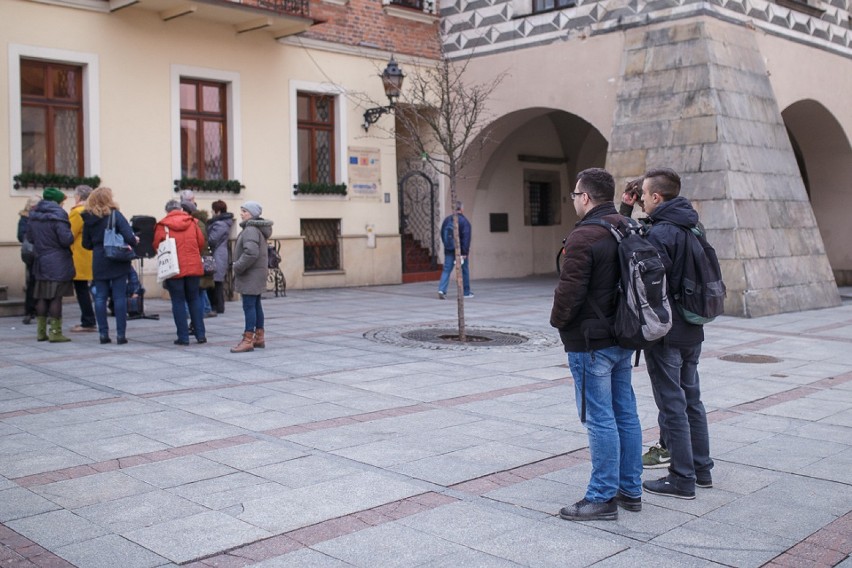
53	194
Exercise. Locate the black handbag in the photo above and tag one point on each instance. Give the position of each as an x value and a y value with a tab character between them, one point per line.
114	246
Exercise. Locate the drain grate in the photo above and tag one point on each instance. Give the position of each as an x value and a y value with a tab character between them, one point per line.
749	358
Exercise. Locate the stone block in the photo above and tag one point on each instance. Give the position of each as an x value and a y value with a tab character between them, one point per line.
714	158
747	132
734	302
734	274
739	57
745	185
770	243
723	242
674	56
746	245
760	274
634	63
751	214
743	105
718	214
748	81
695	78
760	302
679	158
699	103
696	184
698	130
639	135
626	164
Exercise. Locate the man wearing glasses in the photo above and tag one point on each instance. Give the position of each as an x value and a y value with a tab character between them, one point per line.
606	403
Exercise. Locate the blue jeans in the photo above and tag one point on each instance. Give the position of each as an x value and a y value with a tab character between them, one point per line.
615	436
449	262
186	292
253	310
683	420
117	288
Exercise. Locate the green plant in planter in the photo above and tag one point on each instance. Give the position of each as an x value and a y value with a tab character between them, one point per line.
226	185
62	181
319	189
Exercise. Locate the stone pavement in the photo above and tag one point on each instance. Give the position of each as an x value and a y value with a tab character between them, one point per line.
329	449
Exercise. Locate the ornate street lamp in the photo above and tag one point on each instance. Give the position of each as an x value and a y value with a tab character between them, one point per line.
392	78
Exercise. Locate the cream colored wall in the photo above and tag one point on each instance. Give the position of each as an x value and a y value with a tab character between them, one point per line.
136	52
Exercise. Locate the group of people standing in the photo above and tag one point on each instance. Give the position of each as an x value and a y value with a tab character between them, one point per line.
69	258
601	369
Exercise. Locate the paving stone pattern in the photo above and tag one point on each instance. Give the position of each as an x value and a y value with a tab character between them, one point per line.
330	449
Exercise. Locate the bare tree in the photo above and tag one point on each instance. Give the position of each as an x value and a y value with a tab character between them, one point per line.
443	118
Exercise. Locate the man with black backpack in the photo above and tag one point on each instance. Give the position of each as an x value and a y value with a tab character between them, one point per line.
589	285
673	363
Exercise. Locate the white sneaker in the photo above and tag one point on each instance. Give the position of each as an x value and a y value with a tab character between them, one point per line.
469	296
441	295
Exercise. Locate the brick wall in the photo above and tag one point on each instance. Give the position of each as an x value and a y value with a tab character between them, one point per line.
365	23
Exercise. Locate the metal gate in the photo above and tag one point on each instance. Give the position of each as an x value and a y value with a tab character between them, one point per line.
418	222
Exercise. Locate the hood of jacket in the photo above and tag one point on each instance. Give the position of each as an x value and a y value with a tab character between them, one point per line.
178	220
226	217
678	211
263	225
48	211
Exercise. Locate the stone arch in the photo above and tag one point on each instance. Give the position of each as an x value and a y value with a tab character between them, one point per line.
824	156
529	161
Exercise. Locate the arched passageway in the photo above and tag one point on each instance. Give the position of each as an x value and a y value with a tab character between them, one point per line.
516	191
825	159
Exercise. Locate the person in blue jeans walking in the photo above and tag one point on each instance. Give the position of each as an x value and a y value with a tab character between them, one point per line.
450	252
601	369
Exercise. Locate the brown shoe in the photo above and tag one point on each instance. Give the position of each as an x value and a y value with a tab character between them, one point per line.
259	339
246	343
78	328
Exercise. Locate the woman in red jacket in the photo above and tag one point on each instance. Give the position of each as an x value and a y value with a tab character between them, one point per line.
184	288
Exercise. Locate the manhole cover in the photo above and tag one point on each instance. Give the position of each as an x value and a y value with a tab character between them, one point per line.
446	336
749	358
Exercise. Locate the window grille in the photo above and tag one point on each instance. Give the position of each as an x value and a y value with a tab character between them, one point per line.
322	244
540	203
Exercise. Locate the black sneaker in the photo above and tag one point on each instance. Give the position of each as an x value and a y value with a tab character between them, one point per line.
665	486
704	482
587	511
633	504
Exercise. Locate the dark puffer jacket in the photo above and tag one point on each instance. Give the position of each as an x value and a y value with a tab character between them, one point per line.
218	231
94	227
590	270
668	234
50	232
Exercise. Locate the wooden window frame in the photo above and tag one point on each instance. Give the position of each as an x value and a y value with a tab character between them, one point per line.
313	126
51	104
200	116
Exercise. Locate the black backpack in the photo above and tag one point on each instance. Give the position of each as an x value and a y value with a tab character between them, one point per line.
643	315
701	295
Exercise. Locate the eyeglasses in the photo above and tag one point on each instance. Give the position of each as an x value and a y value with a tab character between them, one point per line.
576	194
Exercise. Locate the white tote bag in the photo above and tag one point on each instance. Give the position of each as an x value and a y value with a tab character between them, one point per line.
167	259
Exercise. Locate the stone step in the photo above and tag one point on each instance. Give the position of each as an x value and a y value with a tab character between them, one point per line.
4	293
11	308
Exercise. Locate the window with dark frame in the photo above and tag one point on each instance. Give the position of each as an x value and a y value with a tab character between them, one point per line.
51	118
316	138
321	244
540	200
203	129
549	5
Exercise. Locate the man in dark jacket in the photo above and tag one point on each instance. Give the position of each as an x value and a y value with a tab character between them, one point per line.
450	252
673	363
601	369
